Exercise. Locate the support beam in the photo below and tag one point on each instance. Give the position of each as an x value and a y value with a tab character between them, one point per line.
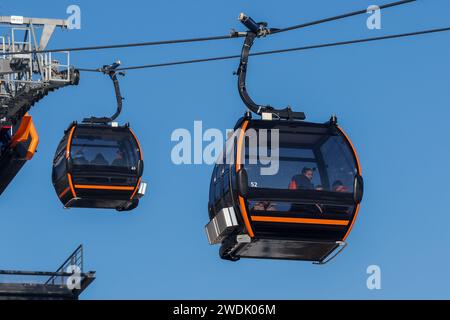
19	20
47	33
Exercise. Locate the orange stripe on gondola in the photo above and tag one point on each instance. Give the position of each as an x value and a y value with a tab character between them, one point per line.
301	221
64	192
115	188
138	144
69	178
242	205
358	164
360	173
136	189
69	142
353	222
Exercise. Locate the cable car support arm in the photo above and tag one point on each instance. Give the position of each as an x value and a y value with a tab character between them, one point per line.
111	71
256	30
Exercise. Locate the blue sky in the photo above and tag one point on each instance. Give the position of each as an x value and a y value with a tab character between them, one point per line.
391	97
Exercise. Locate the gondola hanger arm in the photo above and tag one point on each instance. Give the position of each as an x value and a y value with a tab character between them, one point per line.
111	71
257	30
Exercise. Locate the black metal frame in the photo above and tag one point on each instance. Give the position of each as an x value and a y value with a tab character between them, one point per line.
257	30
111	71
336	247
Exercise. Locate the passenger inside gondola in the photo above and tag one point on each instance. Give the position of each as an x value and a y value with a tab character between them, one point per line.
99	160
303	181
264	206
338	186
330	170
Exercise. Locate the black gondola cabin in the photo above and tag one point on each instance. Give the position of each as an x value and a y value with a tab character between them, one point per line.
99	166
303	212
306	208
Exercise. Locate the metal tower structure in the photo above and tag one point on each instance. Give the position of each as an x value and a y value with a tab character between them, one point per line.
59	285
26	76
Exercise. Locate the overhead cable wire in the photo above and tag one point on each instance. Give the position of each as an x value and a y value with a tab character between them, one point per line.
204	39
340	17
261	53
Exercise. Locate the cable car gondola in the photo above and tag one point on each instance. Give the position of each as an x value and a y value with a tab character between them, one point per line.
303	212
99	164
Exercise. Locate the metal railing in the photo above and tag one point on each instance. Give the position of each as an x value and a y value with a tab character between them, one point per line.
57	278
3	43
55	70
66	270
40	68
68	282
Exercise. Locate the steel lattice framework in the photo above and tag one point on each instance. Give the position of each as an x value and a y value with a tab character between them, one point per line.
26	78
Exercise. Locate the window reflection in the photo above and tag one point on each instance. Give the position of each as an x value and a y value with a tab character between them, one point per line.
296	208
329	166
108	150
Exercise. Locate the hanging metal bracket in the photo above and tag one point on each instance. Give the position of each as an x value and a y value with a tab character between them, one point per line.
111	71
257	30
